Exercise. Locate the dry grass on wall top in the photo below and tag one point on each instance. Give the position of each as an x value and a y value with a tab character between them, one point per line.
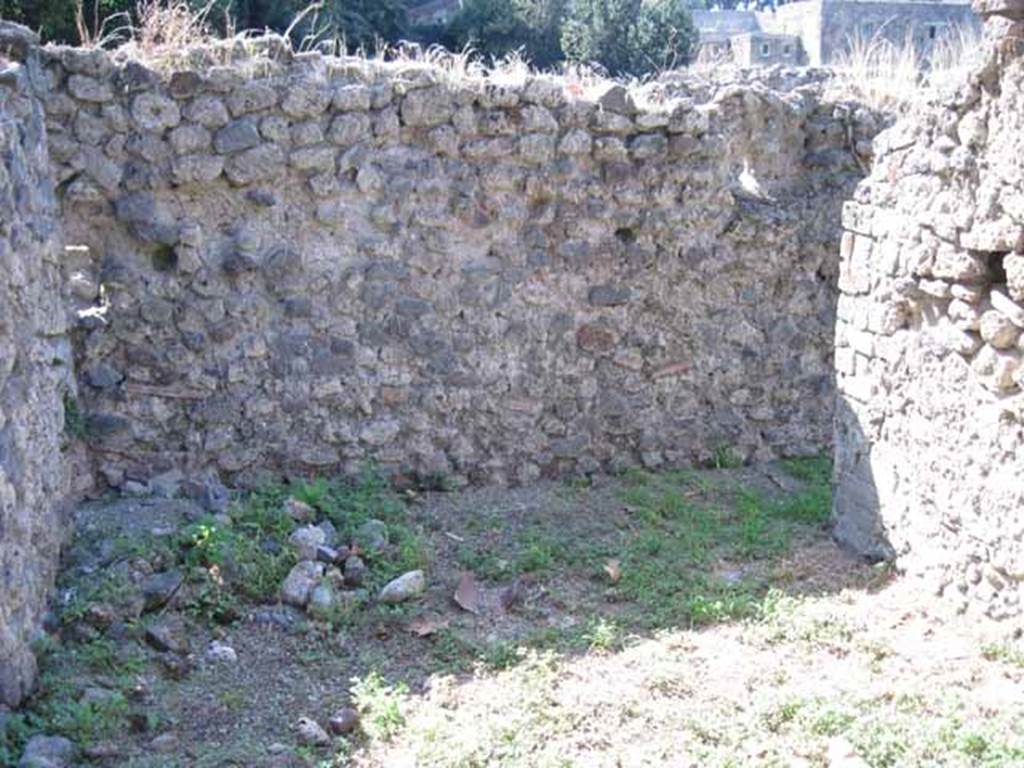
890	76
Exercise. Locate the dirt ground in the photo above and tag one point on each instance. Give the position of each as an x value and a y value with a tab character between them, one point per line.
683	619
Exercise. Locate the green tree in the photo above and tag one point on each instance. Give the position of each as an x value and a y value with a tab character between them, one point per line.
628	37
498	27
55	19
489	27
544	18
362	23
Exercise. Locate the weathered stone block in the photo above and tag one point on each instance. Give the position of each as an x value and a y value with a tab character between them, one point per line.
251	97
156	113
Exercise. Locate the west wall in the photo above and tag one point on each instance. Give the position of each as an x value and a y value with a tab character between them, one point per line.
35	365
303	264
930	341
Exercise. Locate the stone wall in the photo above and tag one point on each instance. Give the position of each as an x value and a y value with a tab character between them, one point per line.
302	264
35	363
929	344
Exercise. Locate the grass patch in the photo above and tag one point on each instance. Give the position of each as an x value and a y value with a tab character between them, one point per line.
380	705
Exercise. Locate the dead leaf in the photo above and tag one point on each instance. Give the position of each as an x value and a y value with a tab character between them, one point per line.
613	570
467	594
424	626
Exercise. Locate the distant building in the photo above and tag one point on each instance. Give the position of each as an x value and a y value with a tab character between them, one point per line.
817	32
436	12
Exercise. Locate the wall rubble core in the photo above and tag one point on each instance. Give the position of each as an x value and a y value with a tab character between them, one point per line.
930	339
311	263
35	369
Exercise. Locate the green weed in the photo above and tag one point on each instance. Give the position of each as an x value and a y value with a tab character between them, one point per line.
380	704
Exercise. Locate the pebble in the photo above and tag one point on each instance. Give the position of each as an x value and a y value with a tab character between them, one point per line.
310	732
221	653
405	587
165	743
345	720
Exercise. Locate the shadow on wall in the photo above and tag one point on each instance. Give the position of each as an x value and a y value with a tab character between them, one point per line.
856	513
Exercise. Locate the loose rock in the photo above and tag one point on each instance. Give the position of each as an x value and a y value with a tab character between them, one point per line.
48	752
345	720
309	732
406	587
299	583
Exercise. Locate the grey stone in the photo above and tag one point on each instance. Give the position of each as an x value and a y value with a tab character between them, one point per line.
48	752
309	732
167	484
349	129
615	98
307	540
187	139
608	295
372	536
156	113
300	582
355	570
159	588
16	40
208	111
218	652
406	587
321	600
299	511
236	136
103	376
88	89
305	99
426	108
254	165
251	97
167	636
148	219
352	98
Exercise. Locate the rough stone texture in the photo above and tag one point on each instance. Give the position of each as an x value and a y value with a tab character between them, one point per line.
930	420
492	280
35	364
